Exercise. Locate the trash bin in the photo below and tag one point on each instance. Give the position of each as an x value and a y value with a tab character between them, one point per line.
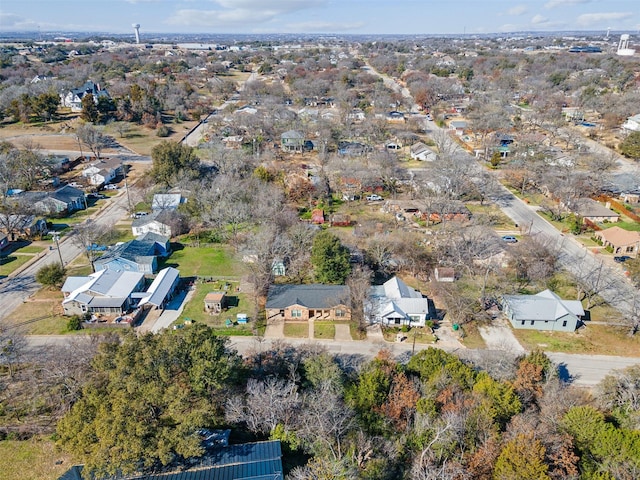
455	327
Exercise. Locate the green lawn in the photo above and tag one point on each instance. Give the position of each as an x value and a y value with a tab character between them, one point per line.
11	262
216	261
296	330
33	459
194	310
324	330
631	226
30	249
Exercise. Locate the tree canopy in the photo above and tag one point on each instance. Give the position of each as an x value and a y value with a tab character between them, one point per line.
172	160
146	400
330	259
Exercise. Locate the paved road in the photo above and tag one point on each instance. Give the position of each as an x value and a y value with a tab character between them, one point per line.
15	289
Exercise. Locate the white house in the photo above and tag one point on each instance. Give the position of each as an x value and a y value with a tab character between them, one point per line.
632	124
159	222
167	201
102	172
420	151
395	303
543	311
73	98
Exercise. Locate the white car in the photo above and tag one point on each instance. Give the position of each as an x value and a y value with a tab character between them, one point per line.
374	198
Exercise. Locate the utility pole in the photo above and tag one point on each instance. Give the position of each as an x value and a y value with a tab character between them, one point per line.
126	187
56	239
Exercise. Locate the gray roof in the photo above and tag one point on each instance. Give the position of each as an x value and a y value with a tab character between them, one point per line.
545	305
166	200
310	296
141	250
294	134
249	461
67	194
161	286
586	207
160	216
104	284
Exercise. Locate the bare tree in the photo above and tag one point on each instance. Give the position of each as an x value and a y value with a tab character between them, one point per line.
12	347
93	138
359	283
86	235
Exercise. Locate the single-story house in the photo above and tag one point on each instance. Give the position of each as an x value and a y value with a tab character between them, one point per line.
292	141
215	302
22	225
353	149
543	311
248	461
308	302
103	171
158	222
632	124
167	201
458	126
591	210
73	98
420	151
64	200
395	303
623	242
161	289
233	141
105	291
139	255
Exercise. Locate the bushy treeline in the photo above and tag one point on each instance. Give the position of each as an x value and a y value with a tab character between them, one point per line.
435	417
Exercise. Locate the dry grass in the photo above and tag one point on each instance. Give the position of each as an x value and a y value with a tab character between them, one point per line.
592	339
33	459
45	305
142	139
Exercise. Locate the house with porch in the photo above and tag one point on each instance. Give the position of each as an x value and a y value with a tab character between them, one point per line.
396	303
105	291
158	222
622	242
308	302
73	98
542	311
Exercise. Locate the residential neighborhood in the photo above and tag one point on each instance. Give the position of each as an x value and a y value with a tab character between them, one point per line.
319	255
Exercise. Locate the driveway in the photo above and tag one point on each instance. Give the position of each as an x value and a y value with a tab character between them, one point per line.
498	336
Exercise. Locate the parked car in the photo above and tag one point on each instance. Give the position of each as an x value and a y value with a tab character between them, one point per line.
621	258
96	248
374	198
509	239
111	186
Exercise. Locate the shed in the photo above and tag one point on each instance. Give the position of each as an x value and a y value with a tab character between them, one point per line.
214	302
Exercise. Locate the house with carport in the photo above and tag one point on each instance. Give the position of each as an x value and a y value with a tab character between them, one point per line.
542	311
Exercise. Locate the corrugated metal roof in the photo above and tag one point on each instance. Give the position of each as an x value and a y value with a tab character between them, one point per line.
161	286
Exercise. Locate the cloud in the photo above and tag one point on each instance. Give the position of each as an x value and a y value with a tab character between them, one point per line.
539	19
565	3
518	10
321	26
232	13
11	21
589	19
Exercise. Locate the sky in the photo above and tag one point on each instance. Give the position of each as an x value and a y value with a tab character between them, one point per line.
320	16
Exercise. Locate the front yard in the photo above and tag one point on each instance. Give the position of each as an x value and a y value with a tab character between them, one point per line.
210	261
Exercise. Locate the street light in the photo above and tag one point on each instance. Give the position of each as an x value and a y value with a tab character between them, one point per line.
56	238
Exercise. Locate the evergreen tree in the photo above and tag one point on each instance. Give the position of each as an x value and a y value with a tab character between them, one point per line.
89	109
330	259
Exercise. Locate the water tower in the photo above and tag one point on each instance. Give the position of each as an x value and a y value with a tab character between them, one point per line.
136	28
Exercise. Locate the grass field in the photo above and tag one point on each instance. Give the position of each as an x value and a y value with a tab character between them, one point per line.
194	310
213	261
592	339
45	305
296	330
141	139
33	459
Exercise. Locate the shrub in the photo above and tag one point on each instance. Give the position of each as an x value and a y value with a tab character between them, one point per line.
163	131
51	275
74	323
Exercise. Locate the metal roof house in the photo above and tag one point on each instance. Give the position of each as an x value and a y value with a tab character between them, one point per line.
396	303
308	302
161	289
248	461
543	311
139	255
106	291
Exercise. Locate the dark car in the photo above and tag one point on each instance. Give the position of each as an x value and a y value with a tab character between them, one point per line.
509	239
621	259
